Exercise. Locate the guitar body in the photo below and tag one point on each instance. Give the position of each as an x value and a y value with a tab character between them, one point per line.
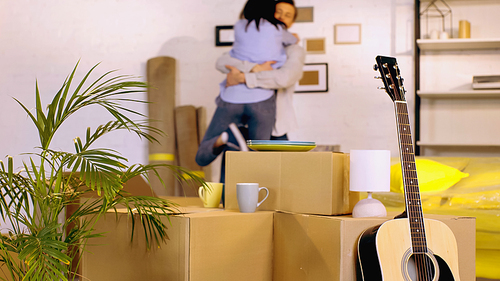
385	253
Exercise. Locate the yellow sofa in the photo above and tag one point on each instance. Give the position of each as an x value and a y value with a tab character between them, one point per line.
476	194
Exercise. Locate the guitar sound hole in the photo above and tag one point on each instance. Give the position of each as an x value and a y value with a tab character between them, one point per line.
420	267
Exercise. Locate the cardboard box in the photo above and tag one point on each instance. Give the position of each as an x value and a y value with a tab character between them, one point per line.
301	182
311	247
208	245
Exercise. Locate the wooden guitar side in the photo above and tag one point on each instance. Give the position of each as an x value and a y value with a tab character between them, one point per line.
383	250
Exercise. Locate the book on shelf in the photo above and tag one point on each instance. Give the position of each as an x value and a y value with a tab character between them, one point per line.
486	82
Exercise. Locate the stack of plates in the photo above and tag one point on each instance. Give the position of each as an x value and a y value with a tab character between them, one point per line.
279	145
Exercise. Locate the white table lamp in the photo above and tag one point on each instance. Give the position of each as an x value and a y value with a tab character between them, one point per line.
370	171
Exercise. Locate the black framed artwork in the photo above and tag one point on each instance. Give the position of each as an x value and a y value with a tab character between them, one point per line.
314	78
224	35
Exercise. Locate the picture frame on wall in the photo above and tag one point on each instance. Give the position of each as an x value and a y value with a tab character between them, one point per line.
347	33
224	35
314	78
315	45
305	14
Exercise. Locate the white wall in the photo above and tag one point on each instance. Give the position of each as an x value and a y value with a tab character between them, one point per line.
44	39
354	113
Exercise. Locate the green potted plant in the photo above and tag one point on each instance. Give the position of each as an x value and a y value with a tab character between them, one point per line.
44	240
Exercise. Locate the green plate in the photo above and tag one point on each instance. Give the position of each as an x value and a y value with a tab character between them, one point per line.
280	147
280	142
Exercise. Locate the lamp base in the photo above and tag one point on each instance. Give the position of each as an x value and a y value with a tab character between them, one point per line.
369	207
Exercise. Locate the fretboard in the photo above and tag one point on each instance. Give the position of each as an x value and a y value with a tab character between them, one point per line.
410	181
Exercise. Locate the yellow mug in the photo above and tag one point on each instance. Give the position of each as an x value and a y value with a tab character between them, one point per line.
212	196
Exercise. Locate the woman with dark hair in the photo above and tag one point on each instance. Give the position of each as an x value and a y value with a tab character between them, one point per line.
282	80
259	38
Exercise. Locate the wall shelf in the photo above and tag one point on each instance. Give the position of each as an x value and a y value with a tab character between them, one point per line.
472	94
458	44
450	114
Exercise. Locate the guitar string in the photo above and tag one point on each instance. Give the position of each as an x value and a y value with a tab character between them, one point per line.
418	237
413	195
411	180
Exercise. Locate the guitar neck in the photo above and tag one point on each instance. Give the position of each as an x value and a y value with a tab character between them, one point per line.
410	181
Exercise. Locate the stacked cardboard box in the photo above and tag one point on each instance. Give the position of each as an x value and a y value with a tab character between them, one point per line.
204	245
301	182
312	247
217	245
303	231
315	238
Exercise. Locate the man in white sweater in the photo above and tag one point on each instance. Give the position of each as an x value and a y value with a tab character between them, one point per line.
282	79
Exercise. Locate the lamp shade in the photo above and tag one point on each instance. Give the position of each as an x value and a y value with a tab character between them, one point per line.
370	170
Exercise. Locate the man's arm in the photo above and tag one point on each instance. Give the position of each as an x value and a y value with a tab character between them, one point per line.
226	59
283	77
234	77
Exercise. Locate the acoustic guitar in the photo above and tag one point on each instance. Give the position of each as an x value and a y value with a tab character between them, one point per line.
408	247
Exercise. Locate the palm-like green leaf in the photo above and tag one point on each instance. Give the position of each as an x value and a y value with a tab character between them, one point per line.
149	211
107	93
98	168
40	246
15	196
43	253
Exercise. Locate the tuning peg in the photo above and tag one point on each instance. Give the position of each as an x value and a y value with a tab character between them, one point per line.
375	67
381	88
378	77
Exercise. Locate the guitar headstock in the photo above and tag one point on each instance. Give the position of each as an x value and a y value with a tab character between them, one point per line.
390	75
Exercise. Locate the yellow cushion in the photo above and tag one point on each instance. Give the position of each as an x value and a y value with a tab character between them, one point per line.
432	176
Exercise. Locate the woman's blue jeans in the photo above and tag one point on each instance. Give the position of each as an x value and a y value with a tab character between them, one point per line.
259	118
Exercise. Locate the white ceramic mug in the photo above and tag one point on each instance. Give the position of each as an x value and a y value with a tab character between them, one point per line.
248	196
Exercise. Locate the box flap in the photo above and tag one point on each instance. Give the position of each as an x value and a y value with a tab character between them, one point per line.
177	210
184	201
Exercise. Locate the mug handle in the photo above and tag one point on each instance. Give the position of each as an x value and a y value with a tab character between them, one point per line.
201	193
267	194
